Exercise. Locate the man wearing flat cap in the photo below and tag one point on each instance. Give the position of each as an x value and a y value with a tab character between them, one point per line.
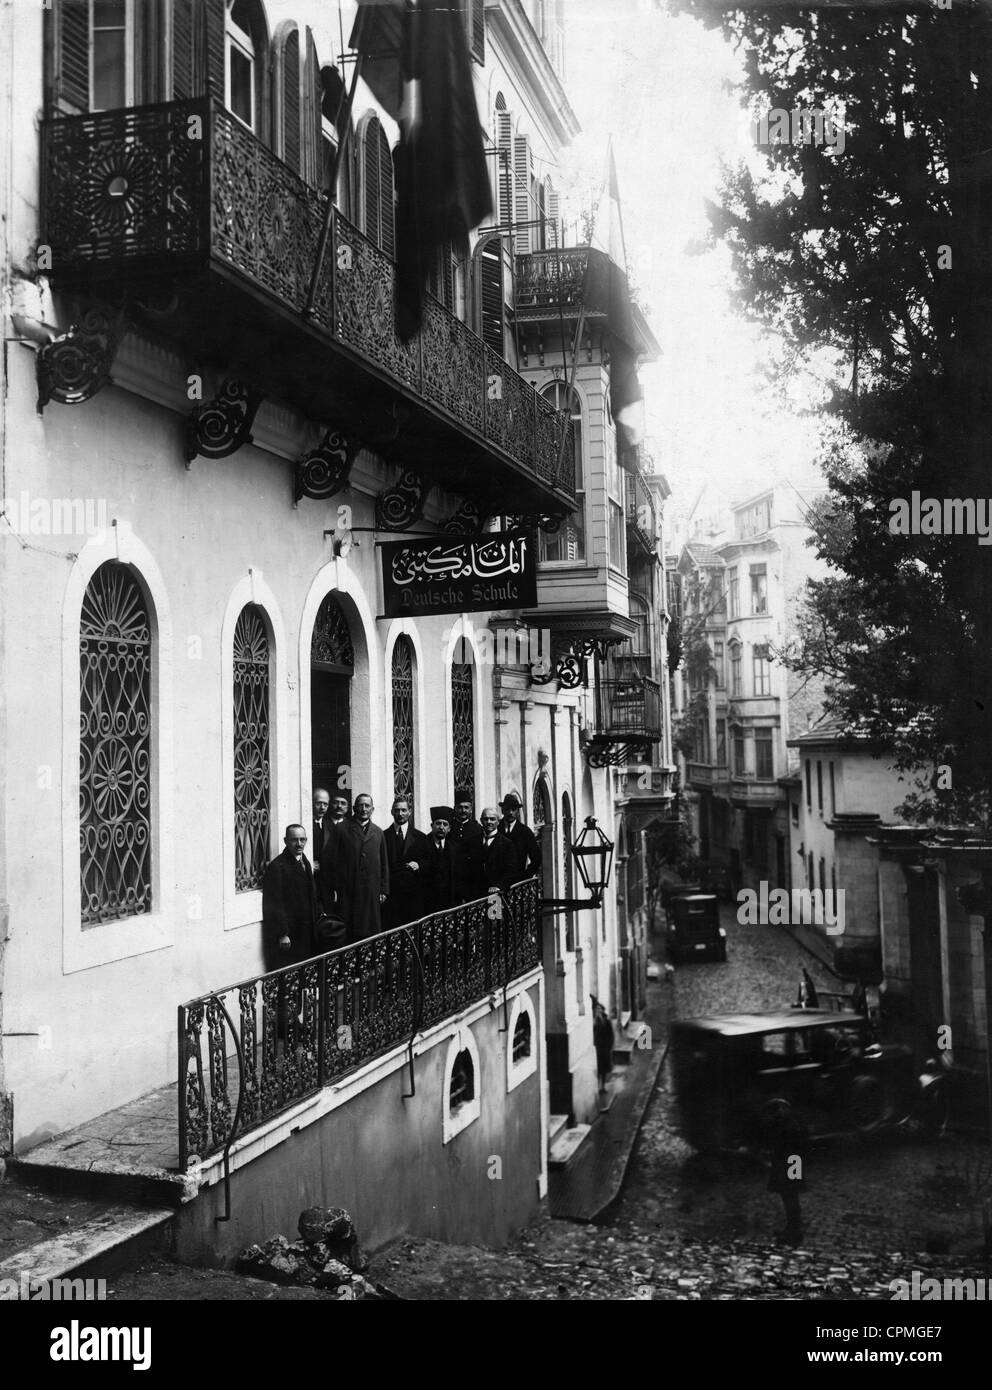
443	867
521	837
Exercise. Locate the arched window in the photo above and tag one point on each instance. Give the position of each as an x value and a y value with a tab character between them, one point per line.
377	172
252	771
568	543
461	1088
114	747
403	725
463	721
245	63
522	1037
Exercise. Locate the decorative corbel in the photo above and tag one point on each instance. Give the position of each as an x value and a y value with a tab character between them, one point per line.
74	366
220	427
324	470
402	504
468	520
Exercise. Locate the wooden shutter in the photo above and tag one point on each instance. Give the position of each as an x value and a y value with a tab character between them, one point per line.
286	93
313	96
214	47
71	69
372	181
553	207
477	32
185	14
504	191
489	288
522	208
387	211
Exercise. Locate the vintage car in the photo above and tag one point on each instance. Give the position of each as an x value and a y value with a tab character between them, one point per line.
693	930
824	1063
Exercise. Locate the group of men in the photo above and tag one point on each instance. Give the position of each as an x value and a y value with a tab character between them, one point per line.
364	880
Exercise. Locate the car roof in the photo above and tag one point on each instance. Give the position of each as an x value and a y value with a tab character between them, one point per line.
697	898
738	1025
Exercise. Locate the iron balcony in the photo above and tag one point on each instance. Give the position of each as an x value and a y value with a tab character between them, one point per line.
180	215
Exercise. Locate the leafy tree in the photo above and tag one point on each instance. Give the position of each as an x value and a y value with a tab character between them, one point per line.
874	264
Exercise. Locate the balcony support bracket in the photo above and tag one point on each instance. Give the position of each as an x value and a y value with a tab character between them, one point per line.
220	427
616	754
569	654
73	367
402	504
324	470
468	520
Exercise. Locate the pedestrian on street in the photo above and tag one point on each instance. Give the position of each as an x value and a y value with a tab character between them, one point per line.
808	997
788	1141
406	855
603	1039
523	839
360	872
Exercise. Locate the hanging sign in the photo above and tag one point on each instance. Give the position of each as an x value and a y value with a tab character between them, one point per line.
447	574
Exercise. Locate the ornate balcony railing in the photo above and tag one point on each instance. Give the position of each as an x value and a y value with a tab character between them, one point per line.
628	719
146	201
551	279
251	1050
641	520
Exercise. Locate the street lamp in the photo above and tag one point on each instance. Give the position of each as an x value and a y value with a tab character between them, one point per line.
593	855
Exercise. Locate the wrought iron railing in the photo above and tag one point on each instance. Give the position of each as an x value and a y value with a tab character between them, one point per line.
551	279
628	708
251	1050
640	509
154	190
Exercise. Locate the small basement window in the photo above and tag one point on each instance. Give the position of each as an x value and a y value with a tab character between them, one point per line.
521	1038
462	1086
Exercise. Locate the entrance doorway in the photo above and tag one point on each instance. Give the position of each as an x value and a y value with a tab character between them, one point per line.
332	666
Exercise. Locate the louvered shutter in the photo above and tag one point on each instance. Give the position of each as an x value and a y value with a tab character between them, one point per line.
214	47
183	81
478	30
522	209
504	192
387	209
489	280
286	66
373	192
71	84
312	129
553	205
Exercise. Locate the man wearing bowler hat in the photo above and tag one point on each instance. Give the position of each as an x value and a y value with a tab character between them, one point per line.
522	838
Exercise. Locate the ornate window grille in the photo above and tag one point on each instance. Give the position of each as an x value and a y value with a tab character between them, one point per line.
252	774
115	654
539	816
462	1087
463	725
521	1037
403	718
331	643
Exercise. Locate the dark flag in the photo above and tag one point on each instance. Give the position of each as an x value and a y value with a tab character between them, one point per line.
442	181
606	291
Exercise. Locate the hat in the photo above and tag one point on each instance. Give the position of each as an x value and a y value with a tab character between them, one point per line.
442	813
511	802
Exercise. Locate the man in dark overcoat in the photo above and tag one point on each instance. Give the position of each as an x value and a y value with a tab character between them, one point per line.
523	839
406	853
444	876
289	904
497	859
359	871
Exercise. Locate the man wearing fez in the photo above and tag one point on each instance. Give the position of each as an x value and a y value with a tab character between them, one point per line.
359	871
406	855
289	904
444	874
523	839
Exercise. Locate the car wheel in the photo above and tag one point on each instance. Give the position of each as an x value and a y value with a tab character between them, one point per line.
868	1107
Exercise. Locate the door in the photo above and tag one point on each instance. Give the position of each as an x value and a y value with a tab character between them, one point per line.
330	729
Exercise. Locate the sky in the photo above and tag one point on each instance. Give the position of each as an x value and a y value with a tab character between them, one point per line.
659	85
